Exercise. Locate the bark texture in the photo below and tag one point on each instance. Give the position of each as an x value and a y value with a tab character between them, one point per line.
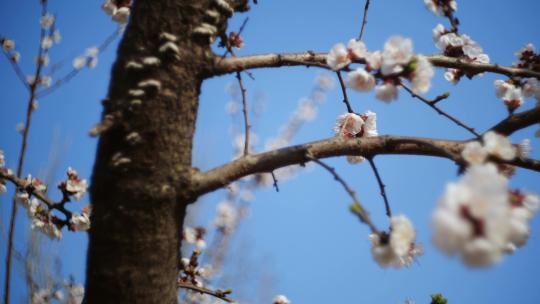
140	177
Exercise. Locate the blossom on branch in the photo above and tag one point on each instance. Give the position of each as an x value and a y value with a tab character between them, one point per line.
396	248
441	7
480	219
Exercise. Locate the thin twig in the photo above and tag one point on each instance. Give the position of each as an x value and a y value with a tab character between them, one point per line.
18	70
217	293
364	20
245	112
71	74
344	91
360	211
275	181
432	104
29	110
382	186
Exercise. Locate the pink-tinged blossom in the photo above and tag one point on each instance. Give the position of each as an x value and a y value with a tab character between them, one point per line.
74	185
360	80
338	57
47	227
396	54
195	236
280	299
348	125
386	92
357	49
398	249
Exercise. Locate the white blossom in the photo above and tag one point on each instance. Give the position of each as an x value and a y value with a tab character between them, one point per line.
524	148
74	185
370	124
422	75
397	249
8	44
397	53
226	217
2	159
531	88
438	31
471	218
357	49
121	15
374	60
386	92
361	80
46	21
338	57
109	7
474	153
524	51
280	299
46	42
80	222
499	145
47	227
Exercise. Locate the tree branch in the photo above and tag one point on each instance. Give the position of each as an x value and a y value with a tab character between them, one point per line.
368	147
310	58
517	121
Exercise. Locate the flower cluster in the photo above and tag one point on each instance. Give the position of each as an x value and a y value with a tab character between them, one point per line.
73	186
119	10
89	59
396	61
191	272
528	58
513	91
441	7
351	125
195	236
397	248
459	46
480	219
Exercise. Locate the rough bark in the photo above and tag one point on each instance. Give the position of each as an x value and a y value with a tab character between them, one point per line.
143	159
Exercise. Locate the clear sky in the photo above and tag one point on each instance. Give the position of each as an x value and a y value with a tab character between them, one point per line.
304	235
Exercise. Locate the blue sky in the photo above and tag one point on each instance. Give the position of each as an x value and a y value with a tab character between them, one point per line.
304	235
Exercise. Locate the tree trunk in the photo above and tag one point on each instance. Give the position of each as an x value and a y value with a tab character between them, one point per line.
141	175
